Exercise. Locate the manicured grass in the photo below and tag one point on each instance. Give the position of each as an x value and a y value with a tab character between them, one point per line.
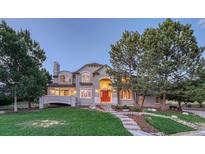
166	126
189	118
64	122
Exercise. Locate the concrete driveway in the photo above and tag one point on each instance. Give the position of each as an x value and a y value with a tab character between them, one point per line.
200	113
192	133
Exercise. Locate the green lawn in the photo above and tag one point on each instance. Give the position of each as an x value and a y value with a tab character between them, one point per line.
189	118
166	126
61	122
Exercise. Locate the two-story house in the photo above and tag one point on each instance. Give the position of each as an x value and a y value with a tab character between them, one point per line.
89	85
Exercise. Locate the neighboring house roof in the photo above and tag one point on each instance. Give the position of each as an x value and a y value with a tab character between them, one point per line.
89	65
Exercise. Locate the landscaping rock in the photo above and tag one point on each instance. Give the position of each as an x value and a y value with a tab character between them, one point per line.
92	107
150	109
185	113
125	110
154	110
174	116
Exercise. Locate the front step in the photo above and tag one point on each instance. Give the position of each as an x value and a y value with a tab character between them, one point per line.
107	108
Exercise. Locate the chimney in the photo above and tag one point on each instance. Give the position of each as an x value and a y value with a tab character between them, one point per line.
56	70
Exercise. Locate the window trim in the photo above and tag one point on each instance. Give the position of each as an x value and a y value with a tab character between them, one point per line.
62	76
82	77
126	99
88	89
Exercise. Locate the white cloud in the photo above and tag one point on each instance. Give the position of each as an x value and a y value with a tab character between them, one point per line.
202	23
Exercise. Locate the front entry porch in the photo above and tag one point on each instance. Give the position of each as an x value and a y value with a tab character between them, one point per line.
105	96
105	91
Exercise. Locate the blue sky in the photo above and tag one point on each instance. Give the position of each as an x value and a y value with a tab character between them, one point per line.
75	42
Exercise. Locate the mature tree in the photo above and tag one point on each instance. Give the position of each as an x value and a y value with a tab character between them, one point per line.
33	49
124	56
13	59
21	61
195	92
34	85
174	54
35	82
129	69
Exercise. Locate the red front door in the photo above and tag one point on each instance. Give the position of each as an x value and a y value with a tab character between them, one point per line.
105	96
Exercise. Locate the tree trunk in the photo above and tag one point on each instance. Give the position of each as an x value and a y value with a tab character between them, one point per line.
118	96
29	103
15	104
179	105
200	105
134	98
164	102
142	102
15	101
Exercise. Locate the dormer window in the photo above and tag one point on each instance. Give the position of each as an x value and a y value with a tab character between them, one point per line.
85	77
62	78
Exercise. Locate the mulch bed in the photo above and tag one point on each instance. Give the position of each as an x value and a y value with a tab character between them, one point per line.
139	119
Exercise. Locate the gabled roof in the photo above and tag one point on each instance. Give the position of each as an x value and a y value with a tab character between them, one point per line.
95	72
65	71
89	65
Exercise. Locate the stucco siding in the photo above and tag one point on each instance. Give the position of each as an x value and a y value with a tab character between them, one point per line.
150	101
95	85
127	102
80	86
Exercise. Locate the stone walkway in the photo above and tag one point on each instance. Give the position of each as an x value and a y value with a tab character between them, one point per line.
130	124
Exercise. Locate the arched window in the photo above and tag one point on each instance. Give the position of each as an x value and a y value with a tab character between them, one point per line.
62	78
125	94
85	77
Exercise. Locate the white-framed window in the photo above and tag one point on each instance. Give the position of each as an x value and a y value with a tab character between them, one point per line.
125	95
85	77
86	93
62	78
65	79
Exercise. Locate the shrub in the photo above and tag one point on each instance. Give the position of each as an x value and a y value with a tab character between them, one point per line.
5	100
125	107
117	107
135	109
